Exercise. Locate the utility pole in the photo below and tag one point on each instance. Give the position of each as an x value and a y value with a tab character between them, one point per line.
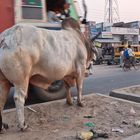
111	12
85	12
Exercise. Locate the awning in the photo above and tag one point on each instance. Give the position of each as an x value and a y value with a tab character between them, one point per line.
107	41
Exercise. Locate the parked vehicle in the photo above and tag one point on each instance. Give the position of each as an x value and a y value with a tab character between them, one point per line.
108	55
99	60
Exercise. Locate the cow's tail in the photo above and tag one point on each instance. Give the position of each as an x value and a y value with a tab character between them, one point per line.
4	90
4	83
2	39
1	43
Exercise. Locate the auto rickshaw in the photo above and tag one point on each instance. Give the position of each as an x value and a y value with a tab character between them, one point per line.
119	48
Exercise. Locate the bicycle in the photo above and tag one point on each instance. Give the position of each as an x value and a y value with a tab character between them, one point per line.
128	64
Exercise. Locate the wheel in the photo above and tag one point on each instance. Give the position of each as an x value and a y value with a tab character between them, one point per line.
136	65
126	66
54	92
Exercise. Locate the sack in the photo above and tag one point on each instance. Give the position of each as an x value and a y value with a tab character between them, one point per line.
126	54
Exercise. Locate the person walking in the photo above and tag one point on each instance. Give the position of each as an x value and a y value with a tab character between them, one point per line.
122	57
131	54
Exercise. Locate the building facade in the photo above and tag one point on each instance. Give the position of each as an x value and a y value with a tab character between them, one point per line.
118	33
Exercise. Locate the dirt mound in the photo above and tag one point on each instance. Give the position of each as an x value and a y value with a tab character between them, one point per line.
58	121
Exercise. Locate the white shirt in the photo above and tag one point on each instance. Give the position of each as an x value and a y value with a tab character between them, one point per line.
121	53
130	52
52	17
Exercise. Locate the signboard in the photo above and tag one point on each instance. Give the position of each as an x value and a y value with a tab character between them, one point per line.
124	31
107	35
98	44
92	29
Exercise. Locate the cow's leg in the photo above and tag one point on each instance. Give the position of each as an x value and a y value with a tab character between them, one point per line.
79	84
19	98
68	96
4	90
68	93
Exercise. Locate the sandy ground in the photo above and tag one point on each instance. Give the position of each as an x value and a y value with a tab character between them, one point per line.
58	121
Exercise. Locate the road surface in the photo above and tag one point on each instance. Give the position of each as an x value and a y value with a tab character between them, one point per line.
106	78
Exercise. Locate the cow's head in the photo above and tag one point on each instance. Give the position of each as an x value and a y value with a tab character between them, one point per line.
74	24
91	49
70	23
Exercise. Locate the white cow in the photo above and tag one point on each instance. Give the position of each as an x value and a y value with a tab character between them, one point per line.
38	56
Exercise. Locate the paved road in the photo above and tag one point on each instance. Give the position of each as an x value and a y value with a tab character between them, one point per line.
106	78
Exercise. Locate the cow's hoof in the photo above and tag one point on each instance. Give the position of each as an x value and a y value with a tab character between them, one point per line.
81	104
1	132
23	129
69	102
5	126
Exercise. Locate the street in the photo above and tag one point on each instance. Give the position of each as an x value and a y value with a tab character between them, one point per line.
106	78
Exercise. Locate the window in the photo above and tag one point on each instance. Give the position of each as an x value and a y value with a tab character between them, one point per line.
30	11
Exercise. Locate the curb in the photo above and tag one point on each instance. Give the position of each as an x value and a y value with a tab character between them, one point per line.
121	93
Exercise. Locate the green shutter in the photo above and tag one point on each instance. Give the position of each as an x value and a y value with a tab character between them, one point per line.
34	2
72	10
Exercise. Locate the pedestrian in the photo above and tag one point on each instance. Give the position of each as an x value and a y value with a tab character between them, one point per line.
66	11
131	54
122	57
130	51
